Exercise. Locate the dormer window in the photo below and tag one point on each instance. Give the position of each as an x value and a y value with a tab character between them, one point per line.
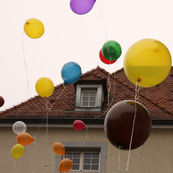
89	97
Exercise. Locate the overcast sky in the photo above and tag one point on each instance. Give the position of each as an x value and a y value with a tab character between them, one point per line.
71	37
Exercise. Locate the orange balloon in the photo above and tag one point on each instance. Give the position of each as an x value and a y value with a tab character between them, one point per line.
58	148
24	139
65	165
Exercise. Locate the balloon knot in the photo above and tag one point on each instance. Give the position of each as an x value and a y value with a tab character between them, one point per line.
138	79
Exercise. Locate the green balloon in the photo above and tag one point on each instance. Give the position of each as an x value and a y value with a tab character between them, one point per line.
111	50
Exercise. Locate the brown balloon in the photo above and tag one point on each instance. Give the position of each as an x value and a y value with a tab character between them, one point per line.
1	101
119	122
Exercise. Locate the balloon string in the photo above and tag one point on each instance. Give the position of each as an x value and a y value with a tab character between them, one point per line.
86	135
26	67
119	162
109	88
46	119
49	109
102	21
113	98
133	126
14	166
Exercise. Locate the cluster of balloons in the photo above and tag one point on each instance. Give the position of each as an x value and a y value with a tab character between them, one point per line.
66	164
23	139
71	71
110	52
128	124
81	7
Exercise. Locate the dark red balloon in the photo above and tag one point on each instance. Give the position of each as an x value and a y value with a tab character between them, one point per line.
78	125
104	60
119	121
1	101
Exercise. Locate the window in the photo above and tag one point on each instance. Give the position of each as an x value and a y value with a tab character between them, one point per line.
84	161
90	157
89	98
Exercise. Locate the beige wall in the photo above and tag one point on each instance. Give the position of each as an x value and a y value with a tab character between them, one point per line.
155	156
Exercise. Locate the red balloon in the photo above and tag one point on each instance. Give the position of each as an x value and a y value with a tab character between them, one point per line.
119	122
104	60
1	101
78	125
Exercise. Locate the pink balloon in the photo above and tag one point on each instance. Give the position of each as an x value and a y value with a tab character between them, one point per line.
78	125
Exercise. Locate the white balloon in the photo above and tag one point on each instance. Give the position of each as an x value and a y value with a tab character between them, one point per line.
19	127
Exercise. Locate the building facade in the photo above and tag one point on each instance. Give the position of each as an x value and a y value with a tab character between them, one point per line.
50	120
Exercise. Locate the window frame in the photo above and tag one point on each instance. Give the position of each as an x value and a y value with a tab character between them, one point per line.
86	146
99	98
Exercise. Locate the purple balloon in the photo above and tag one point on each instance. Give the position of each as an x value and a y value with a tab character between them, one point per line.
81	6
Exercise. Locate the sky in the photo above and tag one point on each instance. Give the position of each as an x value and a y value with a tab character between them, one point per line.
71	37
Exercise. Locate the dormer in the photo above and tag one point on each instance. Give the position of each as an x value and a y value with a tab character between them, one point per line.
90	95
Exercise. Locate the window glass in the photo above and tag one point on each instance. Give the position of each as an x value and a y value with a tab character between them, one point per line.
91	161
84	160
88	97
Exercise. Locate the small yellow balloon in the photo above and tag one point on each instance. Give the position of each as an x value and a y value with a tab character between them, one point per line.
17	151
44	87
147	63
34	28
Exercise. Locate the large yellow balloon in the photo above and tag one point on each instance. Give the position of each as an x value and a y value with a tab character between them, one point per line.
17	151
34	28
147	63
44	87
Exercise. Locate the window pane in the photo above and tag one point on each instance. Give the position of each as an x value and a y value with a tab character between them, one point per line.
87	155
88	97
95	155
76	155
76	161
95	161
84	103
86	167
94	167
87	161
69	155
85	99
85	94
75	167
93	94
92	99
92	103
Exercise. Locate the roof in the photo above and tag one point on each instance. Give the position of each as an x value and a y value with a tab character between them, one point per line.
61	104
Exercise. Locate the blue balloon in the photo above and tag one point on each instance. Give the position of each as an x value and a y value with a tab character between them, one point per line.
71	72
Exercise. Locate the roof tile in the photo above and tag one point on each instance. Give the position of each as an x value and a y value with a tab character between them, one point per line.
158	99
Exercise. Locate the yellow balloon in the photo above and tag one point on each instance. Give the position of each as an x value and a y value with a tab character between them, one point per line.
34	28
17	151
44	87
147	63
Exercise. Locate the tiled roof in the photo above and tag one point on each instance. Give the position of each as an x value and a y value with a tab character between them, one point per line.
61	104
